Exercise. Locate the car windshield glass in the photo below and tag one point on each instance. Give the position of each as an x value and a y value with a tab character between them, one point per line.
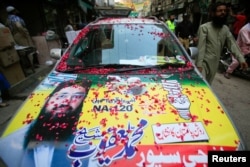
126	44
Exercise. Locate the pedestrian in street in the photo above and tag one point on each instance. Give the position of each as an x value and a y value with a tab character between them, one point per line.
68	26
20	33
212	37
18	27
171	23
243	41
185	31
4	88
4	85
161	18
240	21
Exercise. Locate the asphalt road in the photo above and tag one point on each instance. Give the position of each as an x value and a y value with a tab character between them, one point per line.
234	93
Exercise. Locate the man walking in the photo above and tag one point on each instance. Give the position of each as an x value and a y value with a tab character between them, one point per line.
171	23
18	27
212	37
243	41
20	33
184	30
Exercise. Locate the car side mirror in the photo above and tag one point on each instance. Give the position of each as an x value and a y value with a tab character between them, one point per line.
56	53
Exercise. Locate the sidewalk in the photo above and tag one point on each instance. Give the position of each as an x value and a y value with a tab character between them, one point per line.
19	92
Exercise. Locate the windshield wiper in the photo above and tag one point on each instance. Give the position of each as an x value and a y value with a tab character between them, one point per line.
149	66
121	67
134	69
124	67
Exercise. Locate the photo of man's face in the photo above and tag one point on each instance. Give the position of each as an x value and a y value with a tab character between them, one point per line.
66	100
59	116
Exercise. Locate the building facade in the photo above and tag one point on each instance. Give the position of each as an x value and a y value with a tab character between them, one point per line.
43	15
197	9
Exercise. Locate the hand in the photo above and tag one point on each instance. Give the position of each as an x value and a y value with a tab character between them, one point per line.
200	69
243	66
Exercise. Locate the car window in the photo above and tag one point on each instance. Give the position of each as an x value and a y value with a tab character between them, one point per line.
126	44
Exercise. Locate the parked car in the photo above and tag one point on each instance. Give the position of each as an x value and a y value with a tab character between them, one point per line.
124	93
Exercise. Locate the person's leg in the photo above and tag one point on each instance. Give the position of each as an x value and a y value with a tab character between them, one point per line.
4	88
181	41
186	44
205	75
1	100
6	94
2	104
231	67
208	73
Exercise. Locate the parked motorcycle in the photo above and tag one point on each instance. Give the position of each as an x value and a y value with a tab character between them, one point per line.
226	60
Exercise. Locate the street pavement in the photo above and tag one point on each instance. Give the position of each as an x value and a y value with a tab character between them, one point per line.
233	93
19	92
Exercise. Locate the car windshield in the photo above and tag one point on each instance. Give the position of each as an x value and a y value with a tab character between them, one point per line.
137	44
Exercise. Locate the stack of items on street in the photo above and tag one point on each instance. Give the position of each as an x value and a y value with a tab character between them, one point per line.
9	60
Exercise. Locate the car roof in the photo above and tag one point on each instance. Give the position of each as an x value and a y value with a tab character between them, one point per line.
126	20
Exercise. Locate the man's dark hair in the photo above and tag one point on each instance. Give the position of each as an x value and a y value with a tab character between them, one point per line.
48	127
216	4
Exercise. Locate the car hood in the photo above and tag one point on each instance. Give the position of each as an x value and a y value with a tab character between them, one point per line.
168	119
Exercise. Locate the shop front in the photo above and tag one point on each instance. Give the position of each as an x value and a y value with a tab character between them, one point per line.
45	20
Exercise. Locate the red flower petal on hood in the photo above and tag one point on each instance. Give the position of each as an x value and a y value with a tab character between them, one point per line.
206	122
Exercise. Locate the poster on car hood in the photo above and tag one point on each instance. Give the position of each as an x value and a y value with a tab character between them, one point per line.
117	120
